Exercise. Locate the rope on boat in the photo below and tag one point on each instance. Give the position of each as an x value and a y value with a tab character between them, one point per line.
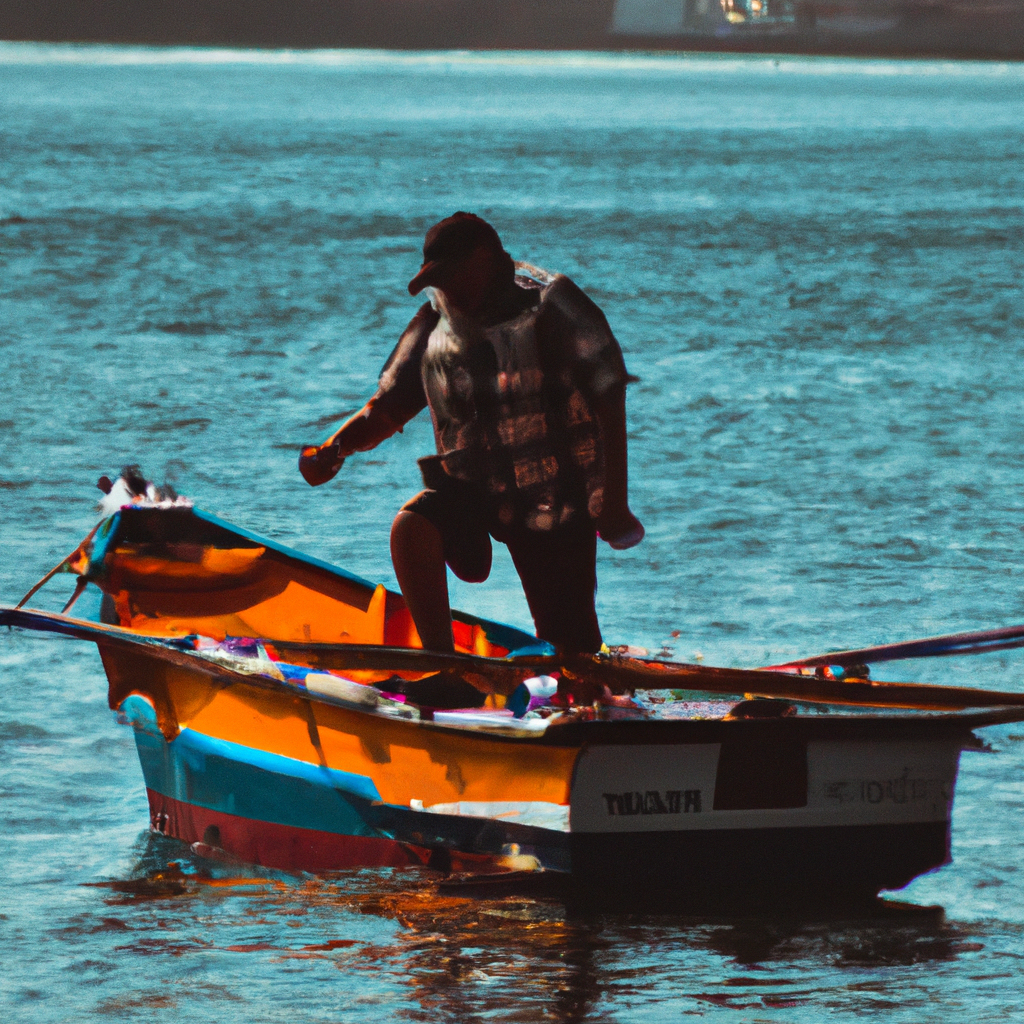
80	550
79	588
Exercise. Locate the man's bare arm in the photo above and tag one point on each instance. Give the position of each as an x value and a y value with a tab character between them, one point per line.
361	432
617	525
399	397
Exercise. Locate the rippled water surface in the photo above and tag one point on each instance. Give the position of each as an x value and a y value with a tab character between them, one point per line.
814	267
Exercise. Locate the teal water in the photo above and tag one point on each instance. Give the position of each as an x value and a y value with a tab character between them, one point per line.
814	267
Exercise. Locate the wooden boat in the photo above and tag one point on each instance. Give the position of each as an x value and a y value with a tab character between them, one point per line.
273	702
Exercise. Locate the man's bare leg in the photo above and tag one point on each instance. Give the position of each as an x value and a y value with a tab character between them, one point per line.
417	554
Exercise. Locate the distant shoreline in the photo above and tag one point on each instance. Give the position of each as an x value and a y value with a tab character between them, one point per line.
957	29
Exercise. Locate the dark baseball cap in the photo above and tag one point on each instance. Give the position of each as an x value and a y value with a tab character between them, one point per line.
449	242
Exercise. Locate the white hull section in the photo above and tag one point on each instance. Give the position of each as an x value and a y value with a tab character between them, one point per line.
672	788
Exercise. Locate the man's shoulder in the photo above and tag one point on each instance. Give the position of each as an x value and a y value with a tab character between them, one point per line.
562	288
573	326
416	334
546	285
405	358
424	321
566	301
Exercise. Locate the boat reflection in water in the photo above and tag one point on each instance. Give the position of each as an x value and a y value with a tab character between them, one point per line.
460	954
286	715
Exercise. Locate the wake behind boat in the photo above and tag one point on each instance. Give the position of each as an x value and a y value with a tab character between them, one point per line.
286	714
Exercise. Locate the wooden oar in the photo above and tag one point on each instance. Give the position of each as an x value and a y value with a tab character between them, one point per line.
980	642
353	657
617	673
637	673
625	673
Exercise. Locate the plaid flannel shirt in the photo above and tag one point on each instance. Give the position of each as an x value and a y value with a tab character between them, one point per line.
525	430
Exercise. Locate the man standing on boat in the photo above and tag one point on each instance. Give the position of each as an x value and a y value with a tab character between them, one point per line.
526	388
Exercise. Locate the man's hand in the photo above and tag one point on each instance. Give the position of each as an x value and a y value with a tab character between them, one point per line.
619	528
320	463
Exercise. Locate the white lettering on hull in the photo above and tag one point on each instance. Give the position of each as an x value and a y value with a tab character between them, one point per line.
669	788
862	783
656	788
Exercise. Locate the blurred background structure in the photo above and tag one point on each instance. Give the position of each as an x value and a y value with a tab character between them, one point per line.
952	28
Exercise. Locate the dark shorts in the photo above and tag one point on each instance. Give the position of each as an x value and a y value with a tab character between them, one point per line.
558	568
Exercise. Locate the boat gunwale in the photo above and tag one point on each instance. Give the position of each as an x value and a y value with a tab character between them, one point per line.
104	537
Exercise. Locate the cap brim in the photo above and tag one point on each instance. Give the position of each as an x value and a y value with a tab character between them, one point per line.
428	275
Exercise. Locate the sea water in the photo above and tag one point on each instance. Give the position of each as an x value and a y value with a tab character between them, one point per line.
814	269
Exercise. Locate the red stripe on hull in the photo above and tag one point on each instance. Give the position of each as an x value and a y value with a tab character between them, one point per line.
277	846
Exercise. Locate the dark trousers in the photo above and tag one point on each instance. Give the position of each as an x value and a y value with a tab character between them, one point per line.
558	568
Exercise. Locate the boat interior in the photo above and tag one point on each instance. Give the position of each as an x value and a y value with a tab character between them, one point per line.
178	571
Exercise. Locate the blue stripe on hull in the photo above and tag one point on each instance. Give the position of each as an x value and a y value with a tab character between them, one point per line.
228	777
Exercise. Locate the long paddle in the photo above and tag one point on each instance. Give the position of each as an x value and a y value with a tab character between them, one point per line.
617	673
980	642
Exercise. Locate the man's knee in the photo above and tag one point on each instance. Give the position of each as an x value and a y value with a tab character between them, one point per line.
410	532
468	554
